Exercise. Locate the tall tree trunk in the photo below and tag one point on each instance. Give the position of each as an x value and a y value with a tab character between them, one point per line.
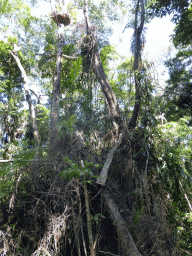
32	113
138	45
101	179
53	132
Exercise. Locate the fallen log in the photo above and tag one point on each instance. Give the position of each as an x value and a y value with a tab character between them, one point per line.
127	243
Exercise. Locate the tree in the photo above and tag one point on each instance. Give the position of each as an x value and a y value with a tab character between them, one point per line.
103	182
162	8
11	99
177	108
61	22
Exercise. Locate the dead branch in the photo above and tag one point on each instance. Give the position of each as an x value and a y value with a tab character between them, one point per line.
69	57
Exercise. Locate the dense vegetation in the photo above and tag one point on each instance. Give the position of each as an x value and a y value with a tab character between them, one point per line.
95	160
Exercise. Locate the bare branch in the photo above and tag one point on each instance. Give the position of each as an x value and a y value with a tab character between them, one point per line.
69	57
25	78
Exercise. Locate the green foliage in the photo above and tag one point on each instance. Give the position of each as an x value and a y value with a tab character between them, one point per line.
123	86
46	63
183	30
43	122
20	12
84	173
179	89
98	17
173	142
66	126
164	7
7	62
174	153
183	223
138	215
178	147
107	53
8	7
6	180
71	74
12	116
82	107
10	172
12	40
97	218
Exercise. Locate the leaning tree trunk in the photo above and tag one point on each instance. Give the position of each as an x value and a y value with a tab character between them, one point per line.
32	112
109	95
111	99
98	70
128	246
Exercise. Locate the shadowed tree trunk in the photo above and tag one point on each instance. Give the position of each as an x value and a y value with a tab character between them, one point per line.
53	134
111	99
138	45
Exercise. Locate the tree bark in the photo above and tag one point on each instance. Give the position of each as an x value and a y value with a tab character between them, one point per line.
137	58
101	179
89	228
53	132
106	87
32	113
109	95
99	71
127	243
